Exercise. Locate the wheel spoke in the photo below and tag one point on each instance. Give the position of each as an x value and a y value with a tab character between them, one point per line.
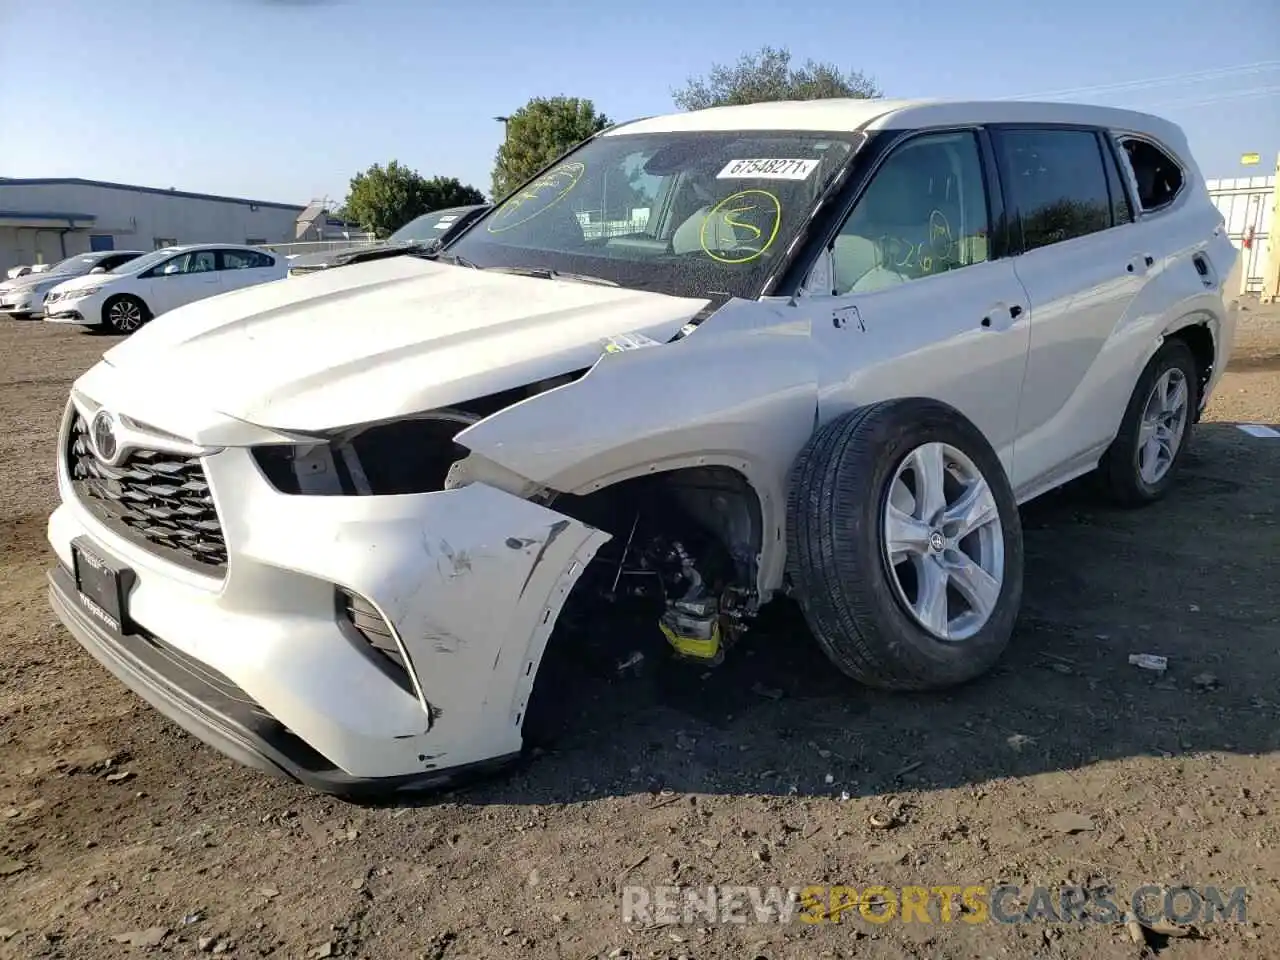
1150	460
974	510
927	464
931	600
978	587
904	535
1175	394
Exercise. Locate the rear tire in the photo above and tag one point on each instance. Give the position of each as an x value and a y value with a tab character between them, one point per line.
1142	462
878	500
125	314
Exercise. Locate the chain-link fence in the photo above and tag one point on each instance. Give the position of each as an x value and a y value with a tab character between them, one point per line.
315	246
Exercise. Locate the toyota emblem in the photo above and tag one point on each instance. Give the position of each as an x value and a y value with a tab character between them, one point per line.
103	433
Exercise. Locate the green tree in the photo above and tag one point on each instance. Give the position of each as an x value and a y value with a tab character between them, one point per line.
768	75
383	199
537	133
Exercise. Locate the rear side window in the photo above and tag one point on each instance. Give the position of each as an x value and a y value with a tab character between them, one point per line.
1058	183
1158	176
245	260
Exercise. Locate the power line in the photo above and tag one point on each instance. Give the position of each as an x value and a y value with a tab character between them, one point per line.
1218	73
1248	94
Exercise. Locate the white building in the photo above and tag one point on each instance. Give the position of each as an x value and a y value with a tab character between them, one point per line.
45	220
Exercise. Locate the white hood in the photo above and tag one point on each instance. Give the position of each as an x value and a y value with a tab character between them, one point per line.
381	339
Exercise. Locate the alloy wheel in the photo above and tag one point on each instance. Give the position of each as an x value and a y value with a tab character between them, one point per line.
1164	424
125	316
943	541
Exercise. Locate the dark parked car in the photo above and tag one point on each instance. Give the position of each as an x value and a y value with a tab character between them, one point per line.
438	225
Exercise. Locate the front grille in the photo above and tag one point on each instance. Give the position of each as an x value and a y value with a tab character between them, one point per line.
157	499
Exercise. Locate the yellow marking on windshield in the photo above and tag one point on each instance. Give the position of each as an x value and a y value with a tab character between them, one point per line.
553	186
738	205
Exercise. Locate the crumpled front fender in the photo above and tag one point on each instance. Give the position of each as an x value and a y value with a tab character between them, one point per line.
740	391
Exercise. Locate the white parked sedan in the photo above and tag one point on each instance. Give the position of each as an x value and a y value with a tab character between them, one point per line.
130	295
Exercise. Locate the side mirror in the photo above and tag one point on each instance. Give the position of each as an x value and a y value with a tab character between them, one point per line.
98	270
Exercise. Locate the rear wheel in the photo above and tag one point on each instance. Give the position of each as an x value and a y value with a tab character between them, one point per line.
1142	462
125	314
905	546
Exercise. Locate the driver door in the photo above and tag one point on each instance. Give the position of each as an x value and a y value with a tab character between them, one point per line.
908	300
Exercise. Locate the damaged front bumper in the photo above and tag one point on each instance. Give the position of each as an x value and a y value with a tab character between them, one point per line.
264	664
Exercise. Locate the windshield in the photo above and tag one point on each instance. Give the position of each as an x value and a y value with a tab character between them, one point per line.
429	226
144	261
692	214
82	263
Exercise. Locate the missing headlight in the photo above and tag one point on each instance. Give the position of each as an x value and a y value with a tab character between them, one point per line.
397	457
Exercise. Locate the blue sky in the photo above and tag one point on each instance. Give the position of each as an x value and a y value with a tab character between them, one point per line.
286	99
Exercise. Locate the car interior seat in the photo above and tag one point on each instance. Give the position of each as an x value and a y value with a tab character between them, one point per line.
690	236
891	220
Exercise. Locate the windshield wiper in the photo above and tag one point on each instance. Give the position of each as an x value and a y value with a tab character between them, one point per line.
546	273
453	258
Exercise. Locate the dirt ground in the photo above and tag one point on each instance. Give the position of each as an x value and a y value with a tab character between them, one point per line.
122	836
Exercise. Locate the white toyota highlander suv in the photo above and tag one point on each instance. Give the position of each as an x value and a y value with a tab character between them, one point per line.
824	348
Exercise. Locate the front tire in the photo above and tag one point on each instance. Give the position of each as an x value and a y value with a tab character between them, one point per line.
1142	462
125	314
905	546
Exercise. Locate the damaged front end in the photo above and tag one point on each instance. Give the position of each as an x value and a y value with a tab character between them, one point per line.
367	608
683	555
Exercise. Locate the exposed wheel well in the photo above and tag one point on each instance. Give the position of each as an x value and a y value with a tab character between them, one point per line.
717	499
1200	341
682	536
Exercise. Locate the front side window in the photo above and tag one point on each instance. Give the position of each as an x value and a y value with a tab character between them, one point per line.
691	213
197	261
1057	181
923	213
117	260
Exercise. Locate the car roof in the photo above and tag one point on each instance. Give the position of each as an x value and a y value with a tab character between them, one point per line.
851	115
186	247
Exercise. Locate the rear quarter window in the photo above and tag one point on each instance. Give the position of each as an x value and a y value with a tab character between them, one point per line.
1157	175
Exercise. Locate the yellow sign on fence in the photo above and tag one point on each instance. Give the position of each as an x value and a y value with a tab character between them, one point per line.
1249	159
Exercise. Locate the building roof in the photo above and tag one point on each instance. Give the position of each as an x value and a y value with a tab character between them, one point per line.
849	115
132	188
